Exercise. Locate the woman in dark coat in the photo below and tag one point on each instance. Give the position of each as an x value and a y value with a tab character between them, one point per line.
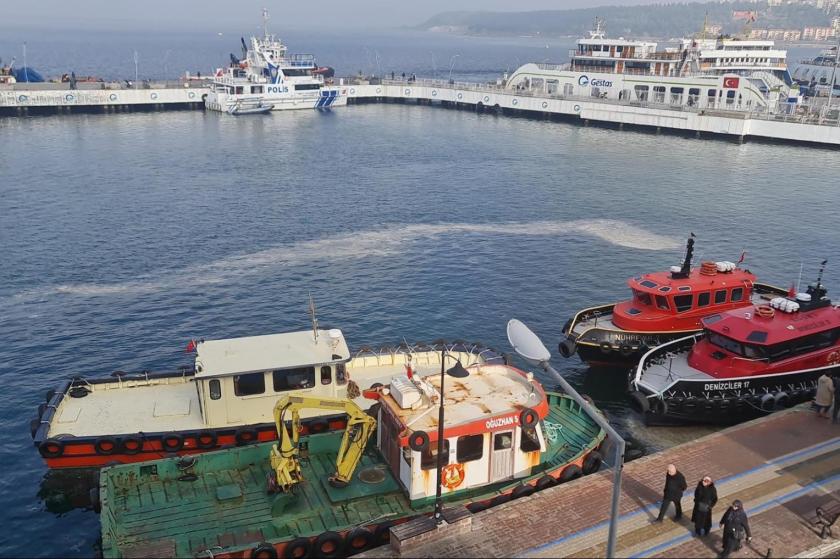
705	497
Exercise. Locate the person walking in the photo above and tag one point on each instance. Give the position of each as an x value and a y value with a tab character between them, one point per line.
825	394
735	525
835	413
705	498
674	486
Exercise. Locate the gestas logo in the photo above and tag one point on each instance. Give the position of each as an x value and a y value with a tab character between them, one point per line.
583	80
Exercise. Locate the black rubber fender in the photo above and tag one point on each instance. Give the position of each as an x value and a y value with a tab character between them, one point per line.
131	444
570	472
264	551
357	540
592	462
567	348
639	401
206	439
172	442
106	446
329	545
499	499
51	448
318	426
382	533
246	435
298	548
528	418
545	482
522	491
418	441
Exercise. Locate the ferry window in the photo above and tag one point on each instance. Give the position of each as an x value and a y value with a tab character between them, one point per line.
502	441
683	302
256	89
726	343
470	447
294	379
530	442
641	92
428	458
341	373
215	389
737	294
712	94
694	91
703	299
647	283
642	298
662	303
326	374
720	297
248	385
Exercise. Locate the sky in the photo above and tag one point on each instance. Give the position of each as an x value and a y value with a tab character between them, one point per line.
230	15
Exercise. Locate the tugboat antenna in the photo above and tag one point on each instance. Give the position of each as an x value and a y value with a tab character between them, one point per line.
819	276
312	316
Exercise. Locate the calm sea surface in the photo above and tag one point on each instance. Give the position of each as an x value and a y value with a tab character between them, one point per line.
123	236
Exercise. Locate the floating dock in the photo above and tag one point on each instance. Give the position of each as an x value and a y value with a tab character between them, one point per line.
782	467
734	124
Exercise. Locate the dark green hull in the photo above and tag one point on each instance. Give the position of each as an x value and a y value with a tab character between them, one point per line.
220	504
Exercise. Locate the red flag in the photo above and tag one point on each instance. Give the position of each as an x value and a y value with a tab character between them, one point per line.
408	372
792	290
743	255
731	83
190	347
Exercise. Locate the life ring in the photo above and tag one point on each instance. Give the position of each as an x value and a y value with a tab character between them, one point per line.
639	401
577	108
105	446
515	102
357	540
206	439
460	96
545	105
419	441
592	463
264	551
51	448
567	348
570	472
22	98
382	533
434	93
522	491
407	91
606	347
452	475
246	435
298	548
329	544
379	90
545	482
528	418
191	94
764	311
318	426
486	98
173	442
69	97
154	96
132	444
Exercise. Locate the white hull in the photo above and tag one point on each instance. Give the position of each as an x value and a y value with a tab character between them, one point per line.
323	99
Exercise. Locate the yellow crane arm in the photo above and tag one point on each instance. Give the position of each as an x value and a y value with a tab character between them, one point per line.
285	454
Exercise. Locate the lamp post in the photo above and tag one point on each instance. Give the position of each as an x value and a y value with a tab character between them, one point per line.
452	65
457	371
530	348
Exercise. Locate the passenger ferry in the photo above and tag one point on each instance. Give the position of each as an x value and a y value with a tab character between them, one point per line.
225	398
268	78
721	73
747	362
334	495
818	72
665	306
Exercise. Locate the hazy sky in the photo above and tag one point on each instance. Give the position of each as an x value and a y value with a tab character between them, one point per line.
232	15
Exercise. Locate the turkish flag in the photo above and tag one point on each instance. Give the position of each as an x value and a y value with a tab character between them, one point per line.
730	83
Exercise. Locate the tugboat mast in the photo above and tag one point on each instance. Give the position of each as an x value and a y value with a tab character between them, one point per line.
686	266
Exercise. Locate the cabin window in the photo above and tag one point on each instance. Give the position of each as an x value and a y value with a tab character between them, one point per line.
248	385
530	442
720	297
658	94
703	299
754	352
341	373
662	303
641	92
428	458
503	441
693	96
470	448
642	298
256	89
711	96
294	379
552	86
305	86
326	374
726	343
737	294
676	95
665	289
568	89
683	302
215	389
647	283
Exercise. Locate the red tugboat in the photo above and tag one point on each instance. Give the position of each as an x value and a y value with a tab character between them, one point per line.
746	363
665	306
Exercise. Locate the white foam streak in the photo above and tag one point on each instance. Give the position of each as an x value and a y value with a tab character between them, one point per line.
379	243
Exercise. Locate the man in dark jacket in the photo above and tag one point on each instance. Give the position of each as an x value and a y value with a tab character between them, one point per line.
836	411
674	486
735	525
705	497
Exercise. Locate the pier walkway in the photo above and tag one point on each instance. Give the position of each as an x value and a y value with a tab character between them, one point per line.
819	127
782	467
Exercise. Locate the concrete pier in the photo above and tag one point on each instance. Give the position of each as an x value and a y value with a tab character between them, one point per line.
19	102
782	467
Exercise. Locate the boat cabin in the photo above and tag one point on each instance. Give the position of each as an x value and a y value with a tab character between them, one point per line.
676	300
492	430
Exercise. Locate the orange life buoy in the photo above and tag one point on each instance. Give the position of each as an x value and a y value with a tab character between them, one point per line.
452	475
765	311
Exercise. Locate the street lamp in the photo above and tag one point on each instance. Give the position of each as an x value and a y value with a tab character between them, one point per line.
530	348
452	65
457	371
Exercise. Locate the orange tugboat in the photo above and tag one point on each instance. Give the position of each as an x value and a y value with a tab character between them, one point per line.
665	306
